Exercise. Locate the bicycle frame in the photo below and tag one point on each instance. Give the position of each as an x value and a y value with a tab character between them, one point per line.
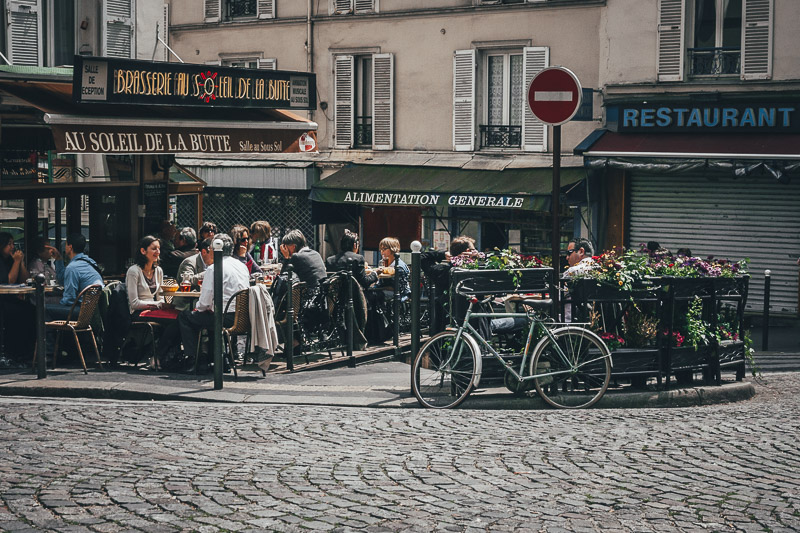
535	322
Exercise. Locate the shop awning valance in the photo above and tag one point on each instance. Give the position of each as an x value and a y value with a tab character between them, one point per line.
393	185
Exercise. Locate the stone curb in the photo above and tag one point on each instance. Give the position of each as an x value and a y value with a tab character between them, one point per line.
687	397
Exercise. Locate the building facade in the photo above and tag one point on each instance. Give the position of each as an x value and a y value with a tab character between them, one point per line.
424	100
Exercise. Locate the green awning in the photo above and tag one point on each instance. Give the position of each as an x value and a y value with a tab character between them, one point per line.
392	185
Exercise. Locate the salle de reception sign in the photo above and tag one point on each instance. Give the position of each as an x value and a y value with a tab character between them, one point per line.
98	139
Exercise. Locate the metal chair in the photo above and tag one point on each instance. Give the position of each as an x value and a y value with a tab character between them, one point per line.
88	299
298	290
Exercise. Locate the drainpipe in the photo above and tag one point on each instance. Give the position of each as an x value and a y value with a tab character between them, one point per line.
309	47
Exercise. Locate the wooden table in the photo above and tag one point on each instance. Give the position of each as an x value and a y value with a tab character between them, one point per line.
16	289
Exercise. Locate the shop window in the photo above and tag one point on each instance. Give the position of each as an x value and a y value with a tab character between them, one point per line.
493	96
364	101
250	62
348	7
717	38
218	10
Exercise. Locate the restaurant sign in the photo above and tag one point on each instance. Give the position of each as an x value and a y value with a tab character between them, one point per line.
126	81
691	117
121	139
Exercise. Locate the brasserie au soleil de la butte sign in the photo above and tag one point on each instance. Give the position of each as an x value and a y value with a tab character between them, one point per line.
127	81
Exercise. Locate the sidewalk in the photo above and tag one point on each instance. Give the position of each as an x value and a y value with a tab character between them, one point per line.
373	385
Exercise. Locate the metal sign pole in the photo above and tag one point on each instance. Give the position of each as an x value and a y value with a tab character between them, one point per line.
555	209
217	245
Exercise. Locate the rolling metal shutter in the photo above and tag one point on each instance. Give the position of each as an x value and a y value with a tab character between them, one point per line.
753	217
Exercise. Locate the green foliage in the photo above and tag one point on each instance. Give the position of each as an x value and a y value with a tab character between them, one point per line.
698	331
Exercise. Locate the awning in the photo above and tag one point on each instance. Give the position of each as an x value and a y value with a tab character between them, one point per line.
742	154
390	185
143	129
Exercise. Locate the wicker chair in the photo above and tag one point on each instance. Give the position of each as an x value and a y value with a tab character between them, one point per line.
241	325
88	298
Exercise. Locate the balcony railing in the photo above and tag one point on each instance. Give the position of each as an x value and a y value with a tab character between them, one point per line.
715	61
363	131
501	136
241	8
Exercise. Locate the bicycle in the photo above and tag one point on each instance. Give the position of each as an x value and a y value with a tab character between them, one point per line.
570	366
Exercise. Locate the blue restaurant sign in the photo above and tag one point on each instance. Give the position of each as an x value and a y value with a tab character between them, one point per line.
690	117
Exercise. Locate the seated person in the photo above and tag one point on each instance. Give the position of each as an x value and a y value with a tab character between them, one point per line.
379	314
81	272
260	242
206	231
143	282
349	254
436	266
19	315
579	257
40	256
185	242
389	248
194	267
235	278
241	243
306	263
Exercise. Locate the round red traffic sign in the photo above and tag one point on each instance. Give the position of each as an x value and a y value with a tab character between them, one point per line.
554	95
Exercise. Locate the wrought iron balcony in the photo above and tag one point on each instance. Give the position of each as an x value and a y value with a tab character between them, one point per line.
363	131
240	8
501	136
715	61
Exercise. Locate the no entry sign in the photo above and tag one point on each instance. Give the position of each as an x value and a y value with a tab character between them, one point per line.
554	95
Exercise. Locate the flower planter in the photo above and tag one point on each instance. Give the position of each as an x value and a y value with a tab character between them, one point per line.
687	358
731	353
493	281
635	361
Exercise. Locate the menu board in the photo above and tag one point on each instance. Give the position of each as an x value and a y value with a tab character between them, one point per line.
155	206
17	167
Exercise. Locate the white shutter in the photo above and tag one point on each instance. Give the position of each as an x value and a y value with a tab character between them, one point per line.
729	218
212	10
24	31
671	16
464	100
118	16
383	101
269	63
757	39
366	6
343	101
534	133
164	31
266	9
341	7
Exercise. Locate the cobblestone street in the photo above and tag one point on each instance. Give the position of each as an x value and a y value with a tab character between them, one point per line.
79	465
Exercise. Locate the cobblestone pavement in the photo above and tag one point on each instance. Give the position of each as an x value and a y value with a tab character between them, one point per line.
75	465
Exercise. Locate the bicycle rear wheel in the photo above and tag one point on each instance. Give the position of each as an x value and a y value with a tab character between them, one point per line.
576	365
444	374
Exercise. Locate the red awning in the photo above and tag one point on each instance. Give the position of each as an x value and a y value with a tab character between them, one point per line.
703	146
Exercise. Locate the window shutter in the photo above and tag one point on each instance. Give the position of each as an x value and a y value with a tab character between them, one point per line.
534	133
341	7
164	31
343	102
25	27
266	9
671	16
118	28
383	101
464	100
212	10
269	63
366	6
757	39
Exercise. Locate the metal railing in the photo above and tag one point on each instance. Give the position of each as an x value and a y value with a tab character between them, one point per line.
363	131
501	136
240	8
715	61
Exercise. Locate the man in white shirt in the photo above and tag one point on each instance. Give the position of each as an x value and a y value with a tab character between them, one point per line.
579	257
235	277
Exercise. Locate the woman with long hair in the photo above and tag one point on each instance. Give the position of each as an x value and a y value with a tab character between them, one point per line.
241	244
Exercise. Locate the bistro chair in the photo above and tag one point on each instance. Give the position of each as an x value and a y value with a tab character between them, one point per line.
89	298
241	326
298	290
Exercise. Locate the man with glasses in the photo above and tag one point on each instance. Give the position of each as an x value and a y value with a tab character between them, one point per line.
579	257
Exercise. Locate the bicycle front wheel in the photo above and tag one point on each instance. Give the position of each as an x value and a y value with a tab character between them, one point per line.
443	373
575	368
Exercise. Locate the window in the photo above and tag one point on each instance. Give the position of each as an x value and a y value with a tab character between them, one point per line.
500	110
344	7
218	10
363	101
118	30
503	101
249	62
717	37
61	32
722	38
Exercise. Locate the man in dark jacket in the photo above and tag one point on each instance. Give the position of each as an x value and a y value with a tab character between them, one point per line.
436	266
307	263
348	255
185	246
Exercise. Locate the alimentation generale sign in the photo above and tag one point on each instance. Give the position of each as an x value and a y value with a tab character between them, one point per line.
128	81
690	117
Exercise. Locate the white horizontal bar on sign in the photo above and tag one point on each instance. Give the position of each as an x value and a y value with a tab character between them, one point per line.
85	120
552	96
